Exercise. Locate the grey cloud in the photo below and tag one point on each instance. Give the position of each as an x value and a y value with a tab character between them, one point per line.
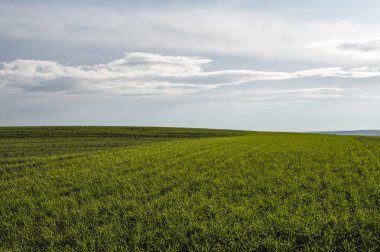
54	85
356	49
300	94
365	47
78	33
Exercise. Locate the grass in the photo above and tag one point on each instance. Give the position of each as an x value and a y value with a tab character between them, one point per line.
161	190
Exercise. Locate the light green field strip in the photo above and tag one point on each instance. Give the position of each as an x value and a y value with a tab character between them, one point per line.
265	191
372	144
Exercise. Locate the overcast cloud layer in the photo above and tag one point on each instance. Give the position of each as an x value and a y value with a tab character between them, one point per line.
244	65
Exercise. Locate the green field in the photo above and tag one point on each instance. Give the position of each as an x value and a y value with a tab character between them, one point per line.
133	188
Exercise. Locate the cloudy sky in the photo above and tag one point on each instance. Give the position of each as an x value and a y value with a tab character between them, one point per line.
272	65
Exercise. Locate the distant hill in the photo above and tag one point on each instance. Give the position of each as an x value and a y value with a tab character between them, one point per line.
352	133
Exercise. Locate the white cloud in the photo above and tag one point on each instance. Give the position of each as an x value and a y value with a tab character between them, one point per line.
152	74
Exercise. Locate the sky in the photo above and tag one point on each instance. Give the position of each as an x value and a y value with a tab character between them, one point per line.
256	65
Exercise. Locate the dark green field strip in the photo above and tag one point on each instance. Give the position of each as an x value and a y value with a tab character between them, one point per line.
112	132
37	147
20	144
42	163
272	192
